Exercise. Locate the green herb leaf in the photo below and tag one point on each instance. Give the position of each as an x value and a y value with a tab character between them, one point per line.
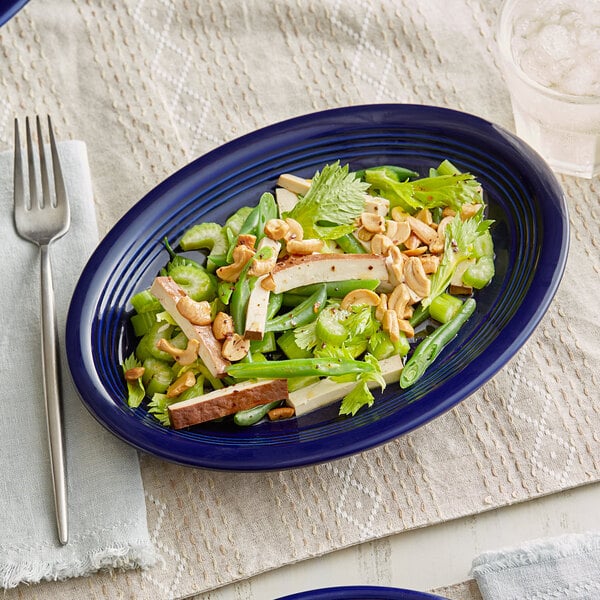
451	190
158	407
361	395
460	245
332	204
135	389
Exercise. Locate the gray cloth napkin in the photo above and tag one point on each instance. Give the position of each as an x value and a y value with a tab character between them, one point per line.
565	567
107	514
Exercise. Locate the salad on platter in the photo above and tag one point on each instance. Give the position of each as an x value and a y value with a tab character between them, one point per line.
325	290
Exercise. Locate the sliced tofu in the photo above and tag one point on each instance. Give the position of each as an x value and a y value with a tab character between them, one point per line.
285	199
258	303
226	401
326	391
293	183
256	315
168	294
321	268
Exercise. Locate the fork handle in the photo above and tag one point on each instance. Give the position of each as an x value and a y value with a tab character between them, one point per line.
52	389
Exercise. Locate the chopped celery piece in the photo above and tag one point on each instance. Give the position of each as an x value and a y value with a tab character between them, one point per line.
196	282
156	332
208	236
288	345
142	322
157	376
444	307
483	245
479	274
145	302
381	346
329	329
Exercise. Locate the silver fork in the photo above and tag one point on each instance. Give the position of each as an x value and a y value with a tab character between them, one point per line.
41	219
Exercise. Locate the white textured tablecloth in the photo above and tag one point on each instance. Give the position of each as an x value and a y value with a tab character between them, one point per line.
152	84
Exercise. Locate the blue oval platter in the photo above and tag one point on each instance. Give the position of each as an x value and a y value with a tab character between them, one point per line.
362	592
531	242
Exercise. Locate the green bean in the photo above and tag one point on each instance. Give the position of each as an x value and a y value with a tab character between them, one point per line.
306	312
299	367
337	289
238	302
431	347
268	210
349	244
275	302
236	220
253	415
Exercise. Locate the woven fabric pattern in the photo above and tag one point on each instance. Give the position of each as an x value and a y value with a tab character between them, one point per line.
150	85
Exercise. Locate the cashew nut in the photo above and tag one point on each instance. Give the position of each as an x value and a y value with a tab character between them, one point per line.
380	244
405	327
390	325
304	247
295	231
265	265
425	233
268	283
197	313
379	206
415	277
437	246
134	373
246	239
181	384
183	356
363	235
222	325
373	222
358	297
276	229
398	214
283	412
469	210
241	255
235	347
430	263
397	231
418	251
395	265
425	215
381	307
399	300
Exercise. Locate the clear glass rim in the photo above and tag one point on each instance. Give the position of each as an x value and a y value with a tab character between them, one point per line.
503	32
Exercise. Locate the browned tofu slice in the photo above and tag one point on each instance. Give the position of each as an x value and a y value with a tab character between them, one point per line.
321	268
226	401
168	294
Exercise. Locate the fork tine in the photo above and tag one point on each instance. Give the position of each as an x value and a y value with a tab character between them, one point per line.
59	182
34	199
46	199
19	184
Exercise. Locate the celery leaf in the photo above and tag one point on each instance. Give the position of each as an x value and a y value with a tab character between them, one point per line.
332	204
135	388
